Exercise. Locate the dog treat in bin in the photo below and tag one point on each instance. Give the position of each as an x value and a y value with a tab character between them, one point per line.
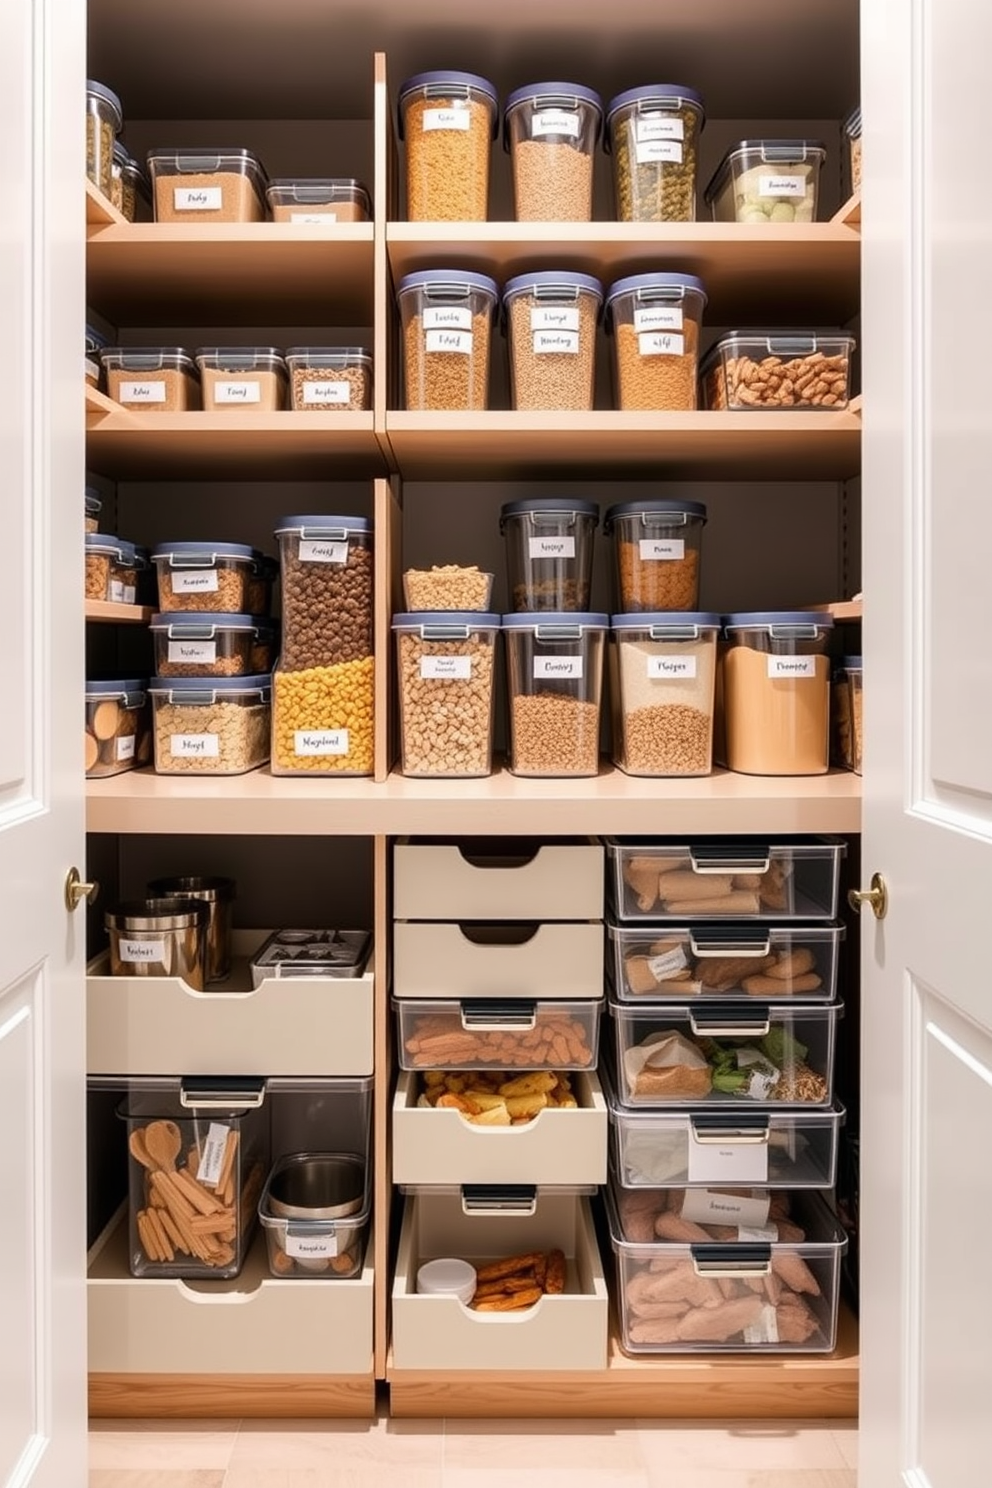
515	1036
652	133
497	1098
655	320
207	185
117	734
551	131
790	369
514	1283
112	567
447	121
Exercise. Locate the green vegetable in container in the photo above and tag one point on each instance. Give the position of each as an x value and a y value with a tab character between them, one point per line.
782	1047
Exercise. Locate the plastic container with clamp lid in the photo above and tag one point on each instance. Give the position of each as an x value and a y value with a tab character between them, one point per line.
315	201
207	185
447	121
551	131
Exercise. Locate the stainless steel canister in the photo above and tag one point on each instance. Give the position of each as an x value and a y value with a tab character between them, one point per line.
159	937
218	895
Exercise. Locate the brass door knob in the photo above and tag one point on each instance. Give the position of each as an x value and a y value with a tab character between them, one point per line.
76	892
877	896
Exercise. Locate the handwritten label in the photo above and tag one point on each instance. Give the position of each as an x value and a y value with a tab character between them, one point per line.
668	964
551	547
659	127
660	343
135	952
704	1206
658	152
192	651
563	343
659	318
782	186
446	118
457	341
321	550
302	1246
554	318
212	1154
194	746
320	742
312	219
787	667
117	591
554	121
727	1161
458	668
326	392
128	593
198	198
195	581
141	392
662	549
226	391
446	317
558	666
125	747
672	668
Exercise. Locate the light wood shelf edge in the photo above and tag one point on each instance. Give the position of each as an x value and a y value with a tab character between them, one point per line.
231	1396
98	404
99	211
107	611
382	1100
841	610
849	215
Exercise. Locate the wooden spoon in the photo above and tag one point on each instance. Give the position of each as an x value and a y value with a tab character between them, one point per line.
136	1142
163	1143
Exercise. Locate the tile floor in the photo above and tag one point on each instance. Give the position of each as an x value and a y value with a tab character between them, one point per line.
472	1454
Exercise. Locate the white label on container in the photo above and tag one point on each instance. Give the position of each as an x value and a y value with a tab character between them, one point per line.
702	1206
192	651
459	341
313	219
303	1247
198	198
320	550
781	185
791	666
456	667
727	1161
117	591
661	343
558	666
195	746
765	1329
668	964
554	121
128	593
551	547
446	118
563	343
135	952
659	318
554	318
326	392
760	1234
659	127
672	668
195	581
320	742
212	1154
125	747
240	391
658	152
142	392
662	549
446	317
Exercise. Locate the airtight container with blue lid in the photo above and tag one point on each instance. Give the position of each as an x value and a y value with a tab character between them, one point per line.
549	543
205	576
447	121
551	131
211	725
776	692
446	671
652	133
116	734
554	668
447	319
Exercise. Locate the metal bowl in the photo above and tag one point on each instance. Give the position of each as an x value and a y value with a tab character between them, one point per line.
317	1185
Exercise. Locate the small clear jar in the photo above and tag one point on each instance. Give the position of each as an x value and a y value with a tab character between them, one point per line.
445	668
206	645
662	683
554	687
446	316
111	568
250	377
652	133
115	736
92	506
328	378
205	576
655	320
549	543
776	693
204	185
765	180
656	552
210	725
448	121
551	131
104	118
162	379
551	320
317	201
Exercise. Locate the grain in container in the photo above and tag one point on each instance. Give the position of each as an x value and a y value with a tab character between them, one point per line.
549	544
445	665
111	568
104	118
447	586
204	644
448	121
92	506
95	343
776	692
551	319
252	377
652	133
218	895
164	936
329	377
767	181
210	725
655	320
204	576
315	1211
161	378
136	192
852	133
663	677
447	319
846	713
656	553
551	131
116	733
207	185
317	201
780	369
554	686
261	582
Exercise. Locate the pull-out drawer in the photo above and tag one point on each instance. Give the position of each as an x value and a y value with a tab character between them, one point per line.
662	879
519	959
485	1034
503	878
737	962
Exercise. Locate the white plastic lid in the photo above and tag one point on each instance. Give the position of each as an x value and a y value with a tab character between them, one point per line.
447	1277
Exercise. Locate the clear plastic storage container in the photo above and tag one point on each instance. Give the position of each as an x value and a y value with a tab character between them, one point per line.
447	317
662	686
136	192
854	670
116	737
749	961
549	542
316	201
104	118
447	586
852	133
554	685
163	379
329	377
551	131
261	582
551	319
790	369
92	506
204	576
767	181
315	1211
95	343
448	121
207	185
211	725
655	320
159	937
112	567
208	645
217	895
445	668
252	377
776	693
656	553
653	133
512	1034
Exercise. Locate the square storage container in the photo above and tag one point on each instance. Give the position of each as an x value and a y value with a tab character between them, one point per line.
748	961
198	1159
447	121
758	1294
118	734
852	133
319	953
655	320
252	377
163	379
329	377
846	702
497	1034
653	135
446	317
211	725
194	576
498	959
725	1054
750	370
551	131
202	644
497	878
315	1211
549	542
112	567
317	201
551	320
92	506
447	587
767	181
554	684
720	878
656	553
776	693
207	185
445	677
104	118
663	680
95	343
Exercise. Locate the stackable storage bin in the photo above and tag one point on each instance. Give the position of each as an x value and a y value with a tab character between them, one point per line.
446	674
500	959
205	644
205	576
551	131
317	201
554	684
655	320
487	1033
549	543
551	320
447	121
653	133
767	180
663	687
724	878
211	725
498	878
776	692
446	317
117	735
747	961
207	185
656	553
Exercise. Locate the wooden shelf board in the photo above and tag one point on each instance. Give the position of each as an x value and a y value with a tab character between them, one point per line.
723	803
700	446
106	610
773	273
849	214
232	445
229	1396
253	273
98	405
101	212
842	610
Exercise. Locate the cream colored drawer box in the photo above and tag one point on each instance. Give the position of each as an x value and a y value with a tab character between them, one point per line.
502	879
518	960
440	1146
558	1333
289	1026
252	1324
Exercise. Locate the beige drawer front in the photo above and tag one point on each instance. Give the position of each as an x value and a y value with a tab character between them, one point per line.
439	960
294	1025
559	1333
253	1324
440	1146
478	881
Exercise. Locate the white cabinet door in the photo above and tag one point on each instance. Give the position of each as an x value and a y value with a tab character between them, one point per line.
927	995
42	1069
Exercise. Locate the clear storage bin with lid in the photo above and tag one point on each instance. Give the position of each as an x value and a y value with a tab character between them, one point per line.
104	118
751	370
445	667
767	180
656	553
551	131
207	185
118	161
209	645
329	378
776	692
92	506
136	191
252	377
662	683
161	936
315	201
448	121
742	962
210	725
653	134
95	343
549	543
204	576
315	1211
163	379
655	320
484	1032
112	567
551	319
447	317
852	133
554	686
846	713
116	737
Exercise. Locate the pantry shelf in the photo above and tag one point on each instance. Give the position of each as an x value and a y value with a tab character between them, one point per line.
850	213
109	612
841	610
101	212
232	445
98	405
